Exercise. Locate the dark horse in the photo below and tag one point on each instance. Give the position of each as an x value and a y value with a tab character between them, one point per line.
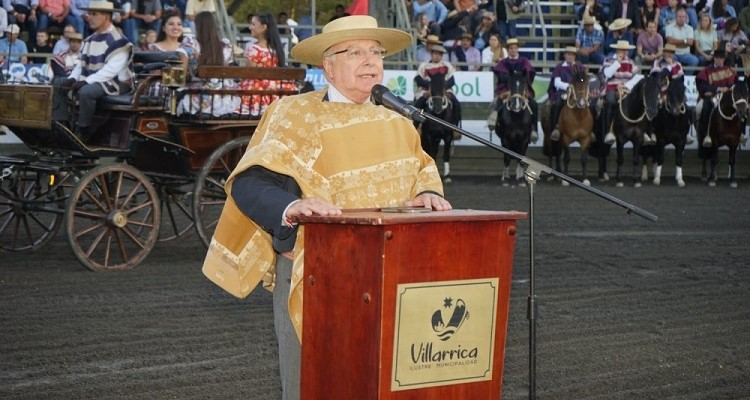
576	124
633	118
725	128
439	104
513	125
672	126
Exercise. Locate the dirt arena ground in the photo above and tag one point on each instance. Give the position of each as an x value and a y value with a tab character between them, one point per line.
628	309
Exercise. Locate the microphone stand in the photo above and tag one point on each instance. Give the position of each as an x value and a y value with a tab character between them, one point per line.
533	171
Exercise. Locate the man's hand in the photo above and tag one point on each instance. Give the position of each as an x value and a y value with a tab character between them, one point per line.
311	206
78	85
68	83
431	201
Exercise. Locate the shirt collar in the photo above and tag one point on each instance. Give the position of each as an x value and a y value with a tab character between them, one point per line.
335	96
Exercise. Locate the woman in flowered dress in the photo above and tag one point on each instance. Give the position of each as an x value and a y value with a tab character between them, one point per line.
266	52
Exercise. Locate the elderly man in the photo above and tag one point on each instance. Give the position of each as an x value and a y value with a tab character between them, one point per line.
316	154
105	69
10	44
517	62
589	42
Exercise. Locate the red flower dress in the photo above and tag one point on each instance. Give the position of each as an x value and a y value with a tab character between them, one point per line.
256	105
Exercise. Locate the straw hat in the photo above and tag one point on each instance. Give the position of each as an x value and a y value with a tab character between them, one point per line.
670	47
433	39
619	23
438	48
467	35
512	41
102	6
571	49
354	27
622	45
74	36
13	29
589	20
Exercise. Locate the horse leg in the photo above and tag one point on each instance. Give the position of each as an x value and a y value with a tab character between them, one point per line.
620	160
732	155
714	162
447	149
679	150
636	163
566	161
520	175
658	162
505	177
584	163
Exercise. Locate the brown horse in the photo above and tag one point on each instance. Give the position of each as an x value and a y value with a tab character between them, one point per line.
576	122
725	128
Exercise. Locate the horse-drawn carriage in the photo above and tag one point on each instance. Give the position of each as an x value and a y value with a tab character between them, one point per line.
148	174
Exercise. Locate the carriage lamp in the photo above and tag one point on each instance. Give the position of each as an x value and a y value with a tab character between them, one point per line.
173	76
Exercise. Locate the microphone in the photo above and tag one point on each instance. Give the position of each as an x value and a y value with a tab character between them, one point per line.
39	77
381	95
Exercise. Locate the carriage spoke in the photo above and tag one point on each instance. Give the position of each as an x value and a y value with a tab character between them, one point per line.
136	209
39	222
88	230
134	238
121	245
135	190
107	249
118	188
95	243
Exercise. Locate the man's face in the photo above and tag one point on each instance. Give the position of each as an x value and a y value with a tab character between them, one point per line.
11	37
465	43
356	70
437	56
68	30
513	50
41	37
681	18
570	57
719	61
97	20
75	45
589	27
651	27
669	56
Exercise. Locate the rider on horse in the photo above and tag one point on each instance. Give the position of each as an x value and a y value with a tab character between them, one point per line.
669	63
558	87
714	79
503	69
619	72
436	65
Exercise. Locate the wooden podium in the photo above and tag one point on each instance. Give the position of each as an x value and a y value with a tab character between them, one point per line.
404	305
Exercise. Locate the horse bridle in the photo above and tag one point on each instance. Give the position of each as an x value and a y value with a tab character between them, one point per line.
572	94
682	109
524	102
445	102
734	104
639	119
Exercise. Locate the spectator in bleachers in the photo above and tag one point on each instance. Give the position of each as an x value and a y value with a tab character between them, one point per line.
305	22
682	36
691	12
668	16
144	15
61	44
619	72
40	45
625	9
493	53
618	30
23	13
706	40
11	44
649	46
744	18
62	64
483	31
52	13
735	43
281	19
150	37
593	9
454	26
3	21
589	42
338	12
507	12
649	12
76	16
422	22
465	55
516	62
721	10
195	7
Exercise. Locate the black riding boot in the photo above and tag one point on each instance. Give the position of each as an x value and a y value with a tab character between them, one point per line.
609	137
534	119
554	119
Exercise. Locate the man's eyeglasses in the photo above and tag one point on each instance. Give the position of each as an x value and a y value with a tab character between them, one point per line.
356	53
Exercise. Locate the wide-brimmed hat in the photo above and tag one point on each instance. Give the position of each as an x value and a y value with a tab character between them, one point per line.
571	49
13	28
622	45
620	23
102	6
589	20
438	48
512	41
74	36
670	47
354	27
433	39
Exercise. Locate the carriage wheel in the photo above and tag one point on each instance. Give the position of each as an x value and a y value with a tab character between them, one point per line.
112	218
31	209
209	186
176	211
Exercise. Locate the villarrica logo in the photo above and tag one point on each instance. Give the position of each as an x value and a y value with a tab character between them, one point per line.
443	331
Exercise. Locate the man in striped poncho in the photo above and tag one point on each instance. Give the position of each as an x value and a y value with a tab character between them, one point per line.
105	68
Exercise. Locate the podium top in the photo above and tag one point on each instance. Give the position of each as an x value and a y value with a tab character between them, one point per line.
410	215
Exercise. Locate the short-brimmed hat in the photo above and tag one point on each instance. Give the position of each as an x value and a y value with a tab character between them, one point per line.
102	6
355	27
467	35
511	42
620	23
589	20
622	45
670	47
13	28
74	36
571	49
438	48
